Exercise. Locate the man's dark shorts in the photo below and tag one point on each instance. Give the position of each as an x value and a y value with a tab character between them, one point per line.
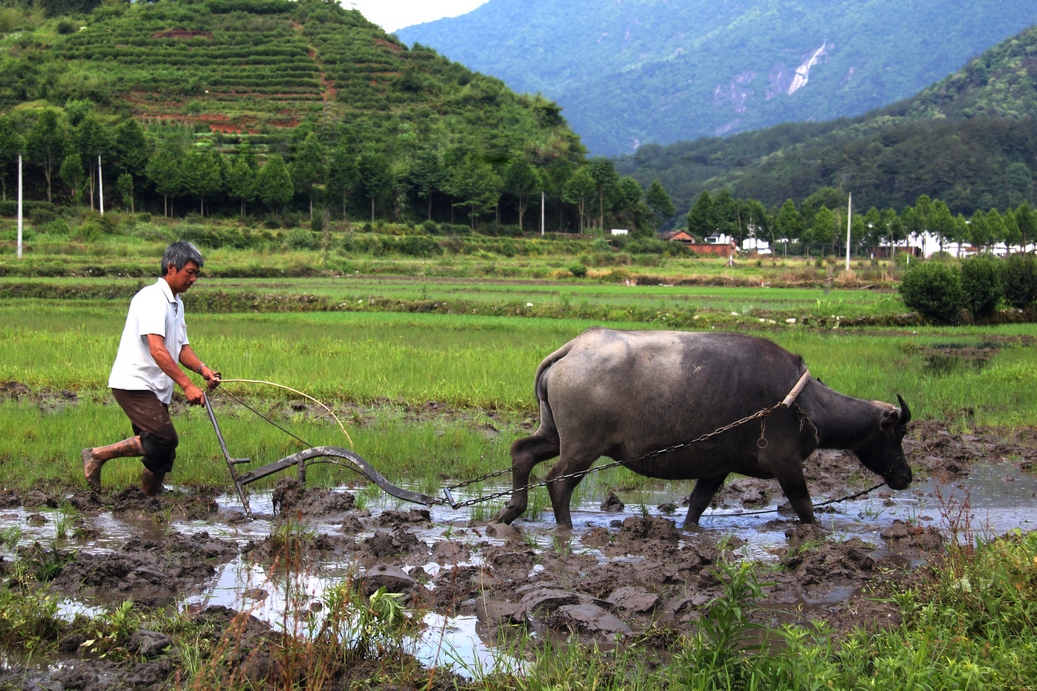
150	419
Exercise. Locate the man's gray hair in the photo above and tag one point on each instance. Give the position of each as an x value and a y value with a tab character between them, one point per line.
178	254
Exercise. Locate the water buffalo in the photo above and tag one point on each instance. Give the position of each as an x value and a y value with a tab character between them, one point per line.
622	394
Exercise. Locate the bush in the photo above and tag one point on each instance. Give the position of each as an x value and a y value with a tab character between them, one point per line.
1019	280
578	270
981	283
40	217
300	239
934	291
57	227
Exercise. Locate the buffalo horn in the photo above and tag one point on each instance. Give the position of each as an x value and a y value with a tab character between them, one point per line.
905	412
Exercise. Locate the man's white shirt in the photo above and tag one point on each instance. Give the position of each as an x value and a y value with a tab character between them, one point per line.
153	310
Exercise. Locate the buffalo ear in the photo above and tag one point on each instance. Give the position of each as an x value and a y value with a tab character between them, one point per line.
890	419
905	412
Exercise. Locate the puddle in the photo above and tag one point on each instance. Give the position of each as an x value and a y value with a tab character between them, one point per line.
1000	498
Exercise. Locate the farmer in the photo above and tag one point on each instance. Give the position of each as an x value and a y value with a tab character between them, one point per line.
153	341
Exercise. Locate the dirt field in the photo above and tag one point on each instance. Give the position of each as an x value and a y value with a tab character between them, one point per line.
622	574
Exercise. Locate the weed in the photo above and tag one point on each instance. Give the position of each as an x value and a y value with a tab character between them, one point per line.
10	536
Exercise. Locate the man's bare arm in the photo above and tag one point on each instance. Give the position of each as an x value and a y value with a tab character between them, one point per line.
157	346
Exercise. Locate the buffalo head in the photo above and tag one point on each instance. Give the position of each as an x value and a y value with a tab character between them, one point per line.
883	453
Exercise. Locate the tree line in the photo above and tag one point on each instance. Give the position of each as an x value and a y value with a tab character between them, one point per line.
172	168
819	223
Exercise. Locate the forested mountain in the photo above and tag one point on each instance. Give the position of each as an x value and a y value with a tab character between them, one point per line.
658	71
969	140
183	86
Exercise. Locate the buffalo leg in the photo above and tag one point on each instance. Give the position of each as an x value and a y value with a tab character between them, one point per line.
526	453
561	491
795	489
705	488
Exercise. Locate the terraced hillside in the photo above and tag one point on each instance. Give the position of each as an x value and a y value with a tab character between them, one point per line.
252	65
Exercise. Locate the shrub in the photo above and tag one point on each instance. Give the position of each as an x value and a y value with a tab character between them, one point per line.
934	291
418	246
300	239
430	227
40	217
981	283
200	235
57	227
578	270
89	231
1019	280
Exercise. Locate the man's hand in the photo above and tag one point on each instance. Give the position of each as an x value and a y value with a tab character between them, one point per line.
211	378
195	396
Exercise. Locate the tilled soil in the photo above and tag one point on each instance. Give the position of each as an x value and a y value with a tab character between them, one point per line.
636	578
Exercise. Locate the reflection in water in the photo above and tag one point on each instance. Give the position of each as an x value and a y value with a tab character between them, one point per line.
1000	498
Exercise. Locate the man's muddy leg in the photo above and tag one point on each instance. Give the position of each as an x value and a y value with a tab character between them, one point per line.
151	482
95	458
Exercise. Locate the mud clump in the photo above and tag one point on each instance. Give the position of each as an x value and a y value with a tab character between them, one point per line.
291	495
149	572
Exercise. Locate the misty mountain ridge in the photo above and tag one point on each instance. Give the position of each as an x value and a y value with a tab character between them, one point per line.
627	73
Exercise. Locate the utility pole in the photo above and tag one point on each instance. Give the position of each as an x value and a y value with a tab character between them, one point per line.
19	206
849	221
100	184
541	212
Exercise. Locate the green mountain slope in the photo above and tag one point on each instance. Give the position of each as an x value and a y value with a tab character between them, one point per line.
336	104
970	140
259	66
629	73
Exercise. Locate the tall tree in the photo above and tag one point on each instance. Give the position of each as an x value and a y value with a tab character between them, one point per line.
894	229
129	148
962	232
375	178
164	170
941	221
71	173
46	145
579	190
724	213
241	180
979	230
1012	234
700	217
1026	219
427	175
93	141
202	175
274	183
628	204
125	185
476	186
309	170
343	176
522	181
660	203
789	223
12	145
603	171
996	227
822	228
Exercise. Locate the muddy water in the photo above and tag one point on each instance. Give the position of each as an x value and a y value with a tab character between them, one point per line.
991	500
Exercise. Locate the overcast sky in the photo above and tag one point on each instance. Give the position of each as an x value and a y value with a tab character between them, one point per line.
396	14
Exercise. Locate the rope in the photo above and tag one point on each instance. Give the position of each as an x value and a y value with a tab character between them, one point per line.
296	391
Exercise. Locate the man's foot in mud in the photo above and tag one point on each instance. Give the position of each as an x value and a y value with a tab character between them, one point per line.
92	469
